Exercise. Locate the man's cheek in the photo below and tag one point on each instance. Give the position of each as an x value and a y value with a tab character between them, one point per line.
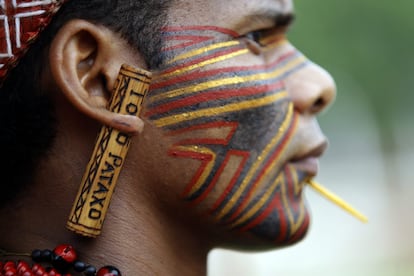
234	123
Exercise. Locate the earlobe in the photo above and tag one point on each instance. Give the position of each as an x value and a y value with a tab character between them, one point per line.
85	60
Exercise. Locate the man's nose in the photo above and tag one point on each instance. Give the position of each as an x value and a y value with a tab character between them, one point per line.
311	89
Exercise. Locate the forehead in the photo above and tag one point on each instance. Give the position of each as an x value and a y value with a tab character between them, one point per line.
233	14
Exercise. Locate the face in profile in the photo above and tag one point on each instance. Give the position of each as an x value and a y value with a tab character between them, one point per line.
237	101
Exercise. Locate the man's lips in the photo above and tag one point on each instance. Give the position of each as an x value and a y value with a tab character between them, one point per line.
309	161
309	165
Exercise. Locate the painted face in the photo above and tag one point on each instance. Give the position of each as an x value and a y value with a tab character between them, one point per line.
223	99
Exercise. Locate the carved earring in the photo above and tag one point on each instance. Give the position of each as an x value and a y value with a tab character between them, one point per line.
98	183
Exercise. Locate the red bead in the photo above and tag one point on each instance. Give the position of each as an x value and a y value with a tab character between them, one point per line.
9	265
67	252
36	267
108	271
23	267
10	272
38	270
53	272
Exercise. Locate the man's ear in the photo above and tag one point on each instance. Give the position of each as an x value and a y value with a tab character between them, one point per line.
85	60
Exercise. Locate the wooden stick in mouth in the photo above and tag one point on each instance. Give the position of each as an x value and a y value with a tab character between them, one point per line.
336	200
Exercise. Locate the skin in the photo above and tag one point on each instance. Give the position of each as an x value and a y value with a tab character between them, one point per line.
214	164
241	176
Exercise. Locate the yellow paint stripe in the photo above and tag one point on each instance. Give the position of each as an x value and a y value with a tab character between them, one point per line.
267	172
203	177
295	225
206	62
213	133
256	208
261	159
226	81
203	50
179	118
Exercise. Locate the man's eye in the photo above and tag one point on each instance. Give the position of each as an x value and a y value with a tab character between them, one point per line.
262	37
252	41
254	36
258	40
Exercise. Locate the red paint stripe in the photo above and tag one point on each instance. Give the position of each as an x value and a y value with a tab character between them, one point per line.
193	62
205	126
213	96
204	158
301	231
290	188
225	193
283	226
195	178
210	73
213	183
203	141
276	154
191	40
275	202
289	181
189	154
201	28
188	37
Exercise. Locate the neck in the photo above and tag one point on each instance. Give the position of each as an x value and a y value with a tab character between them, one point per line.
137	237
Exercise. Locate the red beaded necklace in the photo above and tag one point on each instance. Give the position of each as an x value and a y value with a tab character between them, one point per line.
59	262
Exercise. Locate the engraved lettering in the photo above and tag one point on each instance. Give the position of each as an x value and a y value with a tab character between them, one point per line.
106	176
108	179
97	200
132	109
122	139
94	214
139	95
109	168
102	189
117	159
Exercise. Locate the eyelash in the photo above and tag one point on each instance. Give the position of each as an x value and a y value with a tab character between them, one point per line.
252	40
281	24
254	36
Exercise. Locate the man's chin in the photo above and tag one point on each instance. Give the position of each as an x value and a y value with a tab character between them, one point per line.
251	242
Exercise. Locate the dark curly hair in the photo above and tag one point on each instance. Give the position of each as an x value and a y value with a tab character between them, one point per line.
27	121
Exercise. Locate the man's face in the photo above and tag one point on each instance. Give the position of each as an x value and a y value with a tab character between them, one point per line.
235	106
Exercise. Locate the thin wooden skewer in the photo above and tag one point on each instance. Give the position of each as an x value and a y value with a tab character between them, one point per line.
338	201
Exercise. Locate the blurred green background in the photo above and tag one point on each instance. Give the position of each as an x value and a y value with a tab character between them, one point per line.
366	45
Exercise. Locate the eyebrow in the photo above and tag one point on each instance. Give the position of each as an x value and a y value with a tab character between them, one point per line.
284	20
275	17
